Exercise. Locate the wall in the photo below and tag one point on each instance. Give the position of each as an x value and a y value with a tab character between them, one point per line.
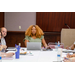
50	22
12	20
55	21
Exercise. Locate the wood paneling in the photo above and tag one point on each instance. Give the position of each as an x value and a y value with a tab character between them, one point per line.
52	36
72	20
1	19
55	21
13	38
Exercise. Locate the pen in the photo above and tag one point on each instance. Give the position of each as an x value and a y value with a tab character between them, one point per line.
67	58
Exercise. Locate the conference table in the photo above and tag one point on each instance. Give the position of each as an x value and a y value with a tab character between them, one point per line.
36	56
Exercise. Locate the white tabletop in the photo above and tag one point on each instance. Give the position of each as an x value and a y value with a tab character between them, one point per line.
37	56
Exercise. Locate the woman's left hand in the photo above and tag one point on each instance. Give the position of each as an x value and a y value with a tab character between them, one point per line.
48	47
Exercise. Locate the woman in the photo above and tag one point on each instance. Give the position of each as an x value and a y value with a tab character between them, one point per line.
3	47
34	34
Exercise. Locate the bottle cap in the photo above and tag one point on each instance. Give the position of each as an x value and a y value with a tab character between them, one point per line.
58	44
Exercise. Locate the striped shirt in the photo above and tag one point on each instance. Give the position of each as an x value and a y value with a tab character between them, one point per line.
3	42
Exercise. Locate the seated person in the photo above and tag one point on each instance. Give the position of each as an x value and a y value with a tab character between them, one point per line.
3	47
35	34
3	31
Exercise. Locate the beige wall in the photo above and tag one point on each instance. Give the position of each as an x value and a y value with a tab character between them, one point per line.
12	20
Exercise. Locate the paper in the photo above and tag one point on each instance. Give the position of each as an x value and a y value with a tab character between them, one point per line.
11	52
7	58
11	49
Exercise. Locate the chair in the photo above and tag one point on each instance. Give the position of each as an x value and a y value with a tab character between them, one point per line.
52	45
67	36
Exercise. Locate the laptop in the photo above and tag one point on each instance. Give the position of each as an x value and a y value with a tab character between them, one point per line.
11	49
33	45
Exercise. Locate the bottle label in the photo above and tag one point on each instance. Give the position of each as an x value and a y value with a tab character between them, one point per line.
58	55
0	57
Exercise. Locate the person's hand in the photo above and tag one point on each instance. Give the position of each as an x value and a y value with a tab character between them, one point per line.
9	54
1	47
66	60
67	47
48	47
4	47
68	55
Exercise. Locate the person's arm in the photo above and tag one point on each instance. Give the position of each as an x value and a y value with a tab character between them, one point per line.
44	43
71	47
7	54
69	56
73	55
26	42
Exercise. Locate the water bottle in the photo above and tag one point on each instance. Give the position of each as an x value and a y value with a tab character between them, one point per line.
59	54
57	46
17	53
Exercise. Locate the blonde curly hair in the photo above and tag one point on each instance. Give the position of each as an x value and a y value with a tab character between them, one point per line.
39	31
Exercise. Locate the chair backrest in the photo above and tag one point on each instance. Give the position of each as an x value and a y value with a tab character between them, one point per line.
67	36
52	45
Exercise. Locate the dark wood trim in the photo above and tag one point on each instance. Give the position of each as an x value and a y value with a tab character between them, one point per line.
51	33
16	31
24	32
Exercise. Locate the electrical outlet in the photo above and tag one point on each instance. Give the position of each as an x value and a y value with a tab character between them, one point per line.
19	44
19	27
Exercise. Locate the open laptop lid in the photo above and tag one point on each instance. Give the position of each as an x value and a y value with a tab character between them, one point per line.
33	45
